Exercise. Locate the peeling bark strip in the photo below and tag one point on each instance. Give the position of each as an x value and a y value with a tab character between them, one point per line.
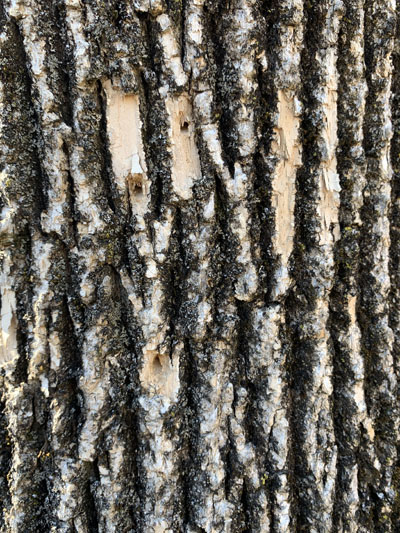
199	268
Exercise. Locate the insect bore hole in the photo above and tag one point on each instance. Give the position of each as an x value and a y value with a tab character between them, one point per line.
157	366
135	182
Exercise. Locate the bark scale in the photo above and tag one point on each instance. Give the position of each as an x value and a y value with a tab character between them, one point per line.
199	266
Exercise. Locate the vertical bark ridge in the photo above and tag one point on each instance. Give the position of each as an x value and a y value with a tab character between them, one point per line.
374	281
235	103
208	505
231	190
349	408
160	248
281	157
394	264
317	202
25	408
89	475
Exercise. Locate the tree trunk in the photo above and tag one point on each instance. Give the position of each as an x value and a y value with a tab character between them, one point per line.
200	283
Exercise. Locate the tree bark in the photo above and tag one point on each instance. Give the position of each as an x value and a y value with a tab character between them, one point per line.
200	240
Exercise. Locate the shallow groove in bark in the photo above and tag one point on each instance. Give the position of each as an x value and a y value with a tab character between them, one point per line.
90	502
72	195
155	153
19	60
174	280
24	310
238	376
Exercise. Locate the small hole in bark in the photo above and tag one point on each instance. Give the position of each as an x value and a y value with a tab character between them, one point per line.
157	366
135	184
137	188
185	126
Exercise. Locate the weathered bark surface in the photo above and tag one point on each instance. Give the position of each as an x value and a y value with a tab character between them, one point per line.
200	239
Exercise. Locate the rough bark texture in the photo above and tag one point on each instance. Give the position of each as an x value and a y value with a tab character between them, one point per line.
200	306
